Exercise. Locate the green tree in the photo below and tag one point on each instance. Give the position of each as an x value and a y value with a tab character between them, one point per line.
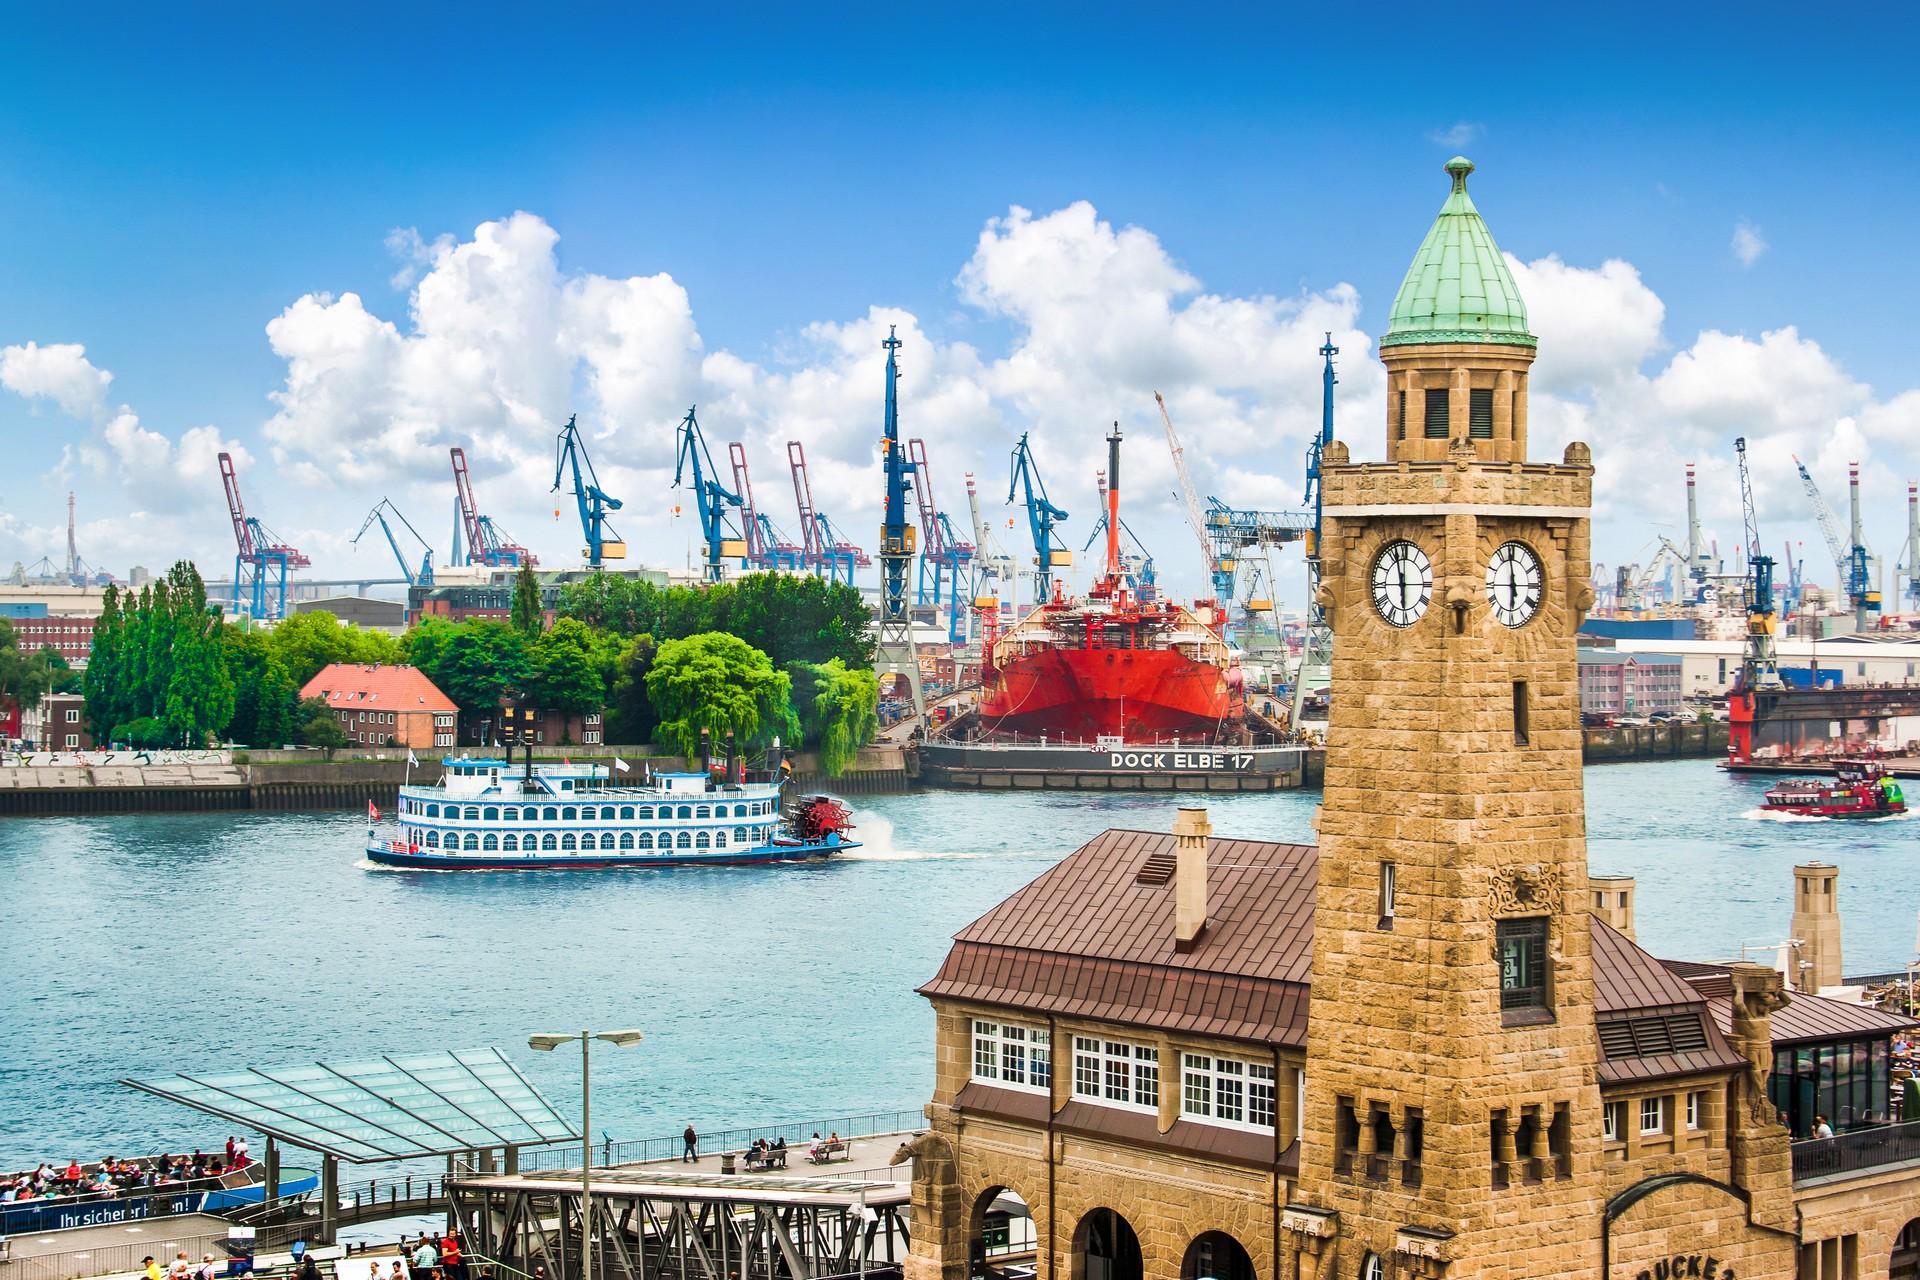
476	663
307	642
198	699
316	726
26	677
264	694
571	667
106	676
838	709
719	682
796	619
630	716
620	603
526	602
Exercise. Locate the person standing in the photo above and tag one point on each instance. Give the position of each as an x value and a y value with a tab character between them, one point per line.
451	1264
426	1257
692	1142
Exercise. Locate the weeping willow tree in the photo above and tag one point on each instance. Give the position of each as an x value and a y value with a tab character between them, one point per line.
839	710
721	683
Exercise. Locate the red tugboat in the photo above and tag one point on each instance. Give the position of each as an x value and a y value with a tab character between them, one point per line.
1860	789
1111	666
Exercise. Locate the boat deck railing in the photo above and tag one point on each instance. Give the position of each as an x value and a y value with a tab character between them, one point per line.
797	1133
1857	1151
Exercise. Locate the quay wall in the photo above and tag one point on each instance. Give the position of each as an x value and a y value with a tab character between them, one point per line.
295	780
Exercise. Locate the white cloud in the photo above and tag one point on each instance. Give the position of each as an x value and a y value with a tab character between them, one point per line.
1595	325
1747	244
1460	134
60	372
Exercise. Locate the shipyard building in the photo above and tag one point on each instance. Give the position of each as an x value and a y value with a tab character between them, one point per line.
1428	1046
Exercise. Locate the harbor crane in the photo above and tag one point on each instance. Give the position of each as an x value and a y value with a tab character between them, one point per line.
767	547
943	553
570	453
993	566
1134	557
1316	656
895	647
485	542
1761	670
420	576
1220	575
1042	518
1909	566
1851	561
1697	558
262	560
693	467
822	549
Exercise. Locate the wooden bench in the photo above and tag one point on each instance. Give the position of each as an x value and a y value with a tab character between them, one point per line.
771	1158
829	1152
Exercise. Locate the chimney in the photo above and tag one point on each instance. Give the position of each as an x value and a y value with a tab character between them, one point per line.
1816	927
1613	901
1190	832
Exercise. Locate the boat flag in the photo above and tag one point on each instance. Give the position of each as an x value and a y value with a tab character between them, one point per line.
373	812
620	764
413	761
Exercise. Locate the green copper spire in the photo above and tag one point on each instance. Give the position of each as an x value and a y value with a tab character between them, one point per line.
1458	288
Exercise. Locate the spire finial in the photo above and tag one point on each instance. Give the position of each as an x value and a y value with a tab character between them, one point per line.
1459	167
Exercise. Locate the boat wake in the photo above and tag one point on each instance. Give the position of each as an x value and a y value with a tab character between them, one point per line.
1774	815
877	844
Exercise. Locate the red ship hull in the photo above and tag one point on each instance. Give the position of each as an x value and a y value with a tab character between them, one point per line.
1137	695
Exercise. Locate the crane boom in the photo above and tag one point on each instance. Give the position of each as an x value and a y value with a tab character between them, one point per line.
1196	517
1824	517
570	451
1042	516
693	466
423	575
1761	669
486	543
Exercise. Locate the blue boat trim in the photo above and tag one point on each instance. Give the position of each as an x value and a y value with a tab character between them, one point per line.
384	854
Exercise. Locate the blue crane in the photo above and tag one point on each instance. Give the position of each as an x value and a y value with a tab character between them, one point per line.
896	535
693	467
945	556
571	452
421	577
1761	670
1042	516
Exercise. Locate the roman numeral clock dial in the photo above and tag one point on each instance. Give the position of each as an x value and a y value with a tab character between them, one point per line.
1402	583
1514	584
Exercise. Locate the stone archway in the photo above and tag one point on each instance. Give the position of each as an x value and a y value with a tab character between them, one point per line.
1000	1233
1905	1261
1215	1255
1106	1248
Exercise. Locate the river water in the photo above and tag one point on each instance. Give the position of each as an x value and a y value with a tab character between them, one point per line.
141	945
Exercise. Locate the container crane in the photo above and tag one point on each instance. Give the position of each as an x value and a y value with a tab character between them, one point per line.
1850	562
693	467
1219	574
422	576
767	547
895	647
1042	517
485	542
943	553
570	453
1761	670
262	560
822	549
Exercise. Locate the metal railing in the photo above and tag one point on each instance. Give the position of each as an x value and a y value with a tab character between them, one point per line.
797	1133
1856	1151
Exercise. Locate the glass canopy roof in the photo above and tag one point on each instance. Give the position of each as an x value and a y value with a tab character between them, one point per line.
389	1108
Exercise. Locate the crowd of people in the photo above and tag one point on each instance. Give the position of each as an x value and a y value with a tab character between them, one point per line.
112	1176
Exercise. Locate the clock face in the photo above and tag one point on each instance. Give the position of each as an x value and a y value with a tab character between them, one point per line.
1514	584
1402	583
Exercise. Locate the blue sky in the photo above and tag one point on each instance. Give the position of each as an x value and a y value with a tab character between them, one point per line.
170	186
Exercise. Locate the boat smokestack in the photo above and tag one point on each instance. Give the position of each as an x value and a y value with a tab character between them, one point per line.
1816	927
1113	505
1190	832
1613	900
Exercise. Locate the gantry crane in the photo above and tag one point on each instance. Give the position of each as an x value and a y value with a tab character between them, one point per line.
421	576
1042	518
822	549
570	452
1849	560
262	560
1761	669
485	542
767	547
945	556
693	467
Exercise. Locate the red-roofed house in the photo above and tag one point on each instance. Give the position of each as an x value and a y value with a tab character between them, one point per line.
381	705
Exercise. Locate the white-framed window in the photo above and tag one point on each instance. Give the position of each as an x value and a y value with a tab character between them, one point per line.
1695	1109
1386	890
1116	1072
1653	1115
1613	1121
1227	1091
1009	1054
73	715
1370	1268
73	740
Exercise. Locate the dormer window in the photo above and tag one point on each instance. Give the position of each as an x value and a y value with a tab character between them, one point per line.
1011	1055
1117	1073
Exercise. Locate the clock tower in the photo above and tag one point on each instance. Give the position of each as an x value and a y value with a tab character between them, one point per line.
1451	1086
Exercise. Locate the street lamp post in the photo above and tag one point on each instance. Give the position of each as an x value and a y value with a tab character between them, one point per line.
546	1043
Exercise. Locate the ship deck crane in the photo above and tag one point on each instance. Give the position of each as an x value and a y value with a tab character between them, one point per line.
1849	561
822	549
693	467
1042	519
1761	670
1218	573
485	542
1134	557
570	452
767	547
262	560
421	576
942	550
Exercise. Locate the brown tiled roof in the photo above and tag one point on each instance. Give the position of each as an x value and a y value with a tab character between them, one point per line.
1808	1019
348	686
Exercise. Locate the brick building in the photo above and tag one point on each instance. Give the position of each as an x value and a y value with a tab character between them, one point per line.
385	705
1625	684
69	635
1428	1046
59	723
